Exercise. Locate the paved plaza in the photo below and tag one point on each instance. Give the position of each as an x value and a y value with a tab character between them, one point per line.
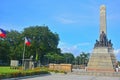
64	77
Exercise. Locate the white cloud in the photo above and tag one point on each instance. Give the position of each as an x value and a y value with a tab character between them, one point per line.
73	18
113	17
65	20
83	44
11	27
75	49
117	54
117	51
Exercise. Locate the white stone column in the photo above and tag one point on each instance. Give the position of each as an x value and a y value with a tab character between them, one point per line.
103	19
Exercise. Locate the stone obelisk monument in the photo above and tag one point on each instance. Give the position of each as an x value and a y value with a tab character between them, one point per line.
102	57
103	19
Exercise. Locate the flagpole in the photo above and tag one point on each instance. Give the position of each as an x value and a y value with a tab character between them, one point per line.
23	57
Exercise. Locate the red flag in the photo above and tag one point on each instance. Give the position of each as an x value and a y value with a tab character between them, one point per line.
2	33
27	41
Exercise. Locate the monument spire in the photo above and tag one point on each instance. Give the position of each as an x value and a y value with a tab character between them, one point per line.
103	19
102	58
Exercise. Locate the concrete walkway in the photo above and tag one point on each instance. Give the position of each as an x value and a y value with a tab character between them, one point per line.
64	77
90	73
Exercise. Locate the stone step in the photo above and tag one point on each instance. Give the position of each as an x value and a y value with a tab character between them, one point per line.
111	74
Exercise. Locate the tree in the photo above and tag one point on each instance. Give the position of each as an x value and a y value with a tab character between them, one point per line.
77	60
68	58
57	58
49	57
43	41
14	40
4	51
84	58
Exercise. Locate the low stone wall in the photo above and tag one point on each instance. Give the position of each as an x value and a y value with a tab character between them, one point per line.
61	67
78	66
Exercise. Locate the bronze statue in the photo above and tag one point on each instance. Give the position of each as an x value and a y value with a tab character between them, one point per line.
103	41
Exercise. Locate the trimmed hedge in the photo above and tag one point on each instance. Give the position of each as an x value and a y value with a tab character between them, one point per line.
21	74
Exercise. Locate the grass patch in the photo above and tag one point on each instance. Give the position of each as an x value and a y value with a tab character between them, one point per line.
7	69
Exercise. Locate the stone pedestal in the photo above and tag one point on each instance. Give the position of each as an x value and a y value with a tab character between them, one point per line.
14	64
28	64
102	59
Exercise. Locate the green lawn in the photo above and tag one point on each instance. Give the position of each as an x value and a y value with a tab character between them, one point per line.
5	69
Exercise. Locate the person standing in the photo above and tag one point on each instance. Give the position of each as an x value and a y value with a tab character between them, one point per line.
116	67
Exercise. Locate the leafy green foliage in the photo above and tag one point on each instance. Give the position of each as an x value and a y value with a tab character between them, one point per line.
82	59
68	58
4	51
44	47
43	41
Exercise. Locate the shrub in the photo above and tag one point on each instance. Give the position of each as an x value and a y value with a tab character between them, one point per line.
36	71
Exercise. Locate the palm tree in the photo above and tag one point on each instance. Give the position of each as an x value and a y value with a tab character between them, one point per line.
84	58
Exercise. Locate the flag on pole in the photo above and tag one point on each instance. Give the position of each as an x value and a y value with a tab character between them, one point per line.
2	33
27	41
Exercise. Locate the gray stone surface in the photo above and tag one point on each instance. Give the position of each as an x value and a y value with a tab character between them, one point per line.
102	59
65	77
14	64
103	19
28	64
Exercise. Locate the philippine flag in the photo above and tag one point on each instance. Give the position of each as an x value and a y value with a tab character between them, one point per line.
27	41
2	33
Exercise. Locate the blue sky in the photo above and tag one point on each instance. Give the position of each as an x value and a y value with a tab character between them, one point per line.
76	21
